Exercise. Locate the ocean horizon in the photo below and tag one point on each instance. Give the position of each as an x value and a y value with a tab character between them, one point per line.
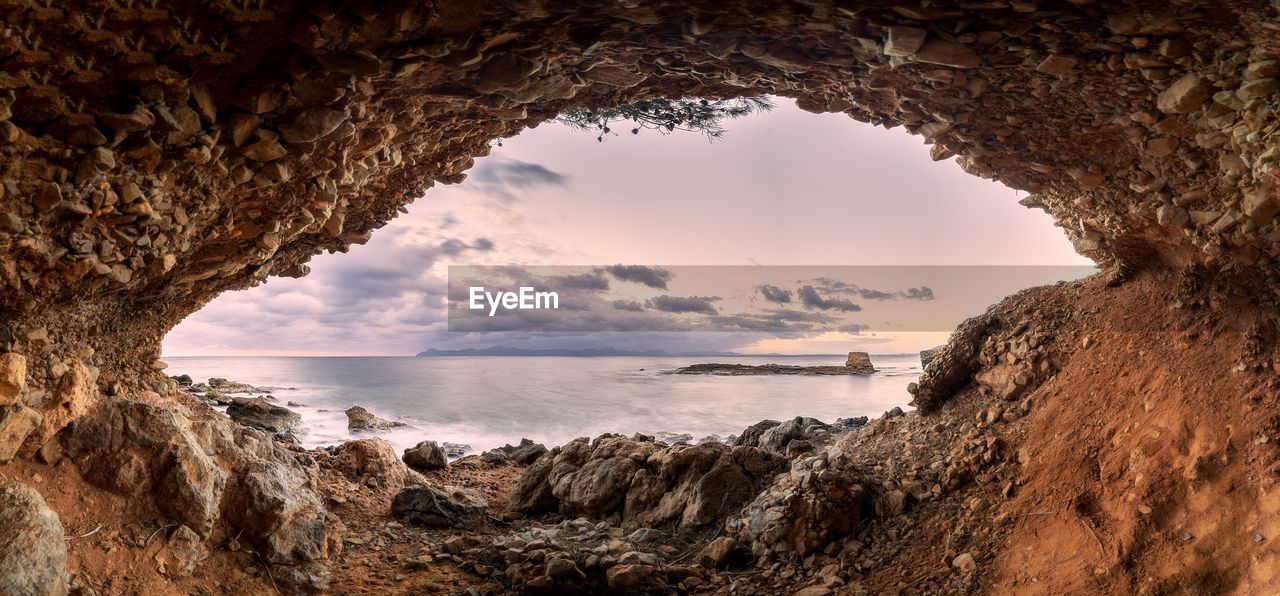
488	401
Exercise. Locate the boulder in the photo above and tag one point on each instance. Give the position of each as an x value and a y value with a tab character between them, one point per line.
425	456
638	482
33	553
525	453
360	419
860	361
278	513
776	439
373	462
447	506
259	413
751	436
804	510
13	377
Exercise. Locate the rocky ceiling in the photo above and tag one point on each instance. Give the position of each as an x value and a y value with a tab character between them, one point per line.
156	153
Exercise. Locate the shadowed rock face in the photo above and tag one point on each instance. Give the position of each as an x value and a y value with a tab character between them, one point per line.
156	155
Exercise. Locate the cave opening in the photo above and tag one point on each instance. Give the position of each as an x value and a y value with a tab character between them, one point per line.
159	155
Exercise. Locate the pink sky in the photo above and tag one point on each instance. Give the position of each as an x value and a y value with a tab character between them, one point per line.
784	188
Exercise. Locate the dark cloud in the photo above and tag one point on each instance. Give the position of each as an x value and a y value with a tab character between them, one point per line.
482	244
812	299
629	305
868	294
684	304
854	328
507	178
828	285
594	280
654	277
920	293
775	294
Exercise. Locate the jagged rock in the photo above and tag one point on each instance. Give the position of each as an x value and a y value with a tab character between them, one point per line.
277	513
638	482
803	511
261	414
372	462
75	395
33	552
751	436
525	453
13	377
776	439
360	419
425	456
447	506
17	422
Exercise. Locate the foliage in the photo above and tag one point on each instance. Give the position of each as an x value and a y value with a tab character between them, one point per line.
666	115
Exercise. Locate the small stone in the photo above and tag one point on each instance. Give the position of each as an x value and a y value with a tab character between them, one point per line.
1058	65
720	552
558	567
312	124
1258	89
965	564
1185	95
267	148
904	41
627	578
947	53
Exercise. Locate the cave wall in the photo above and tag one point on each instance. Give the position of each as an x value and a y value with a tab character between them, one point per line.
156	154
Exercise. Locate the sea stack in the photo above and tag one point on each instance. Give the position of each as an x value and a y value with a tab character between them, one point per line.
860	361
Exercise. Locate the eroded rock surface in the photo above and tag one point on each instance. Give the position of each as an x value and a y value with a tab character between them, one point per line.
639	482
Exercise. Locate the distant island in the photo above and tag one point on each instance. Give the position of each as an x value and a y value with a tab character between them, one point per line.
858	363
588	353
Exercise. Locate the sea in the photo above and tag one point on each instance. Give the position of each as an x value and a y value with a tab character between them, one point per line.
488	401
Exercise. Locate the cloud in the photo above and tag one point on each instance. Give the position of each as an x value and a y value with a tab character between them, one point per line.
684	304
775	294
629	305
920	293
654	277
507	178
594	280
811	299
835	286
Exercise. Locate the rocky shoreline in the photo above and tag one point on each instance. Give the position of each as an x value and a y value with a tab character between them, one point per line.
858	363
552	519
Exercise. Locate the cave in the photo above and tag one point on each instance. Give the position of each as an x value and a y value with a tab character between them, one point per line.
156	155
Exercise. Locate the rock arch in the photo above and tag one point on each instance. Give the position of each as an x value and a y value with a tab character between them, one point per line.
156	155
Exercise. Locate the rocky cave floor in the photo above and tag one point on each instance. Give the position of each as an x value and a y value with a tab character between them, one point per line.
1101	438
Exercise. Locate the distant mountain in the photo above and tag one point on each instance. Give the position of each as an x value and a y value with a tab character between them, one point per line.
582	352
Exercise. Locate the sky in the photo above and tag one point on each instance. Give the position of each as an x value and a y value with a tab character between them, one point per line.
784	188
